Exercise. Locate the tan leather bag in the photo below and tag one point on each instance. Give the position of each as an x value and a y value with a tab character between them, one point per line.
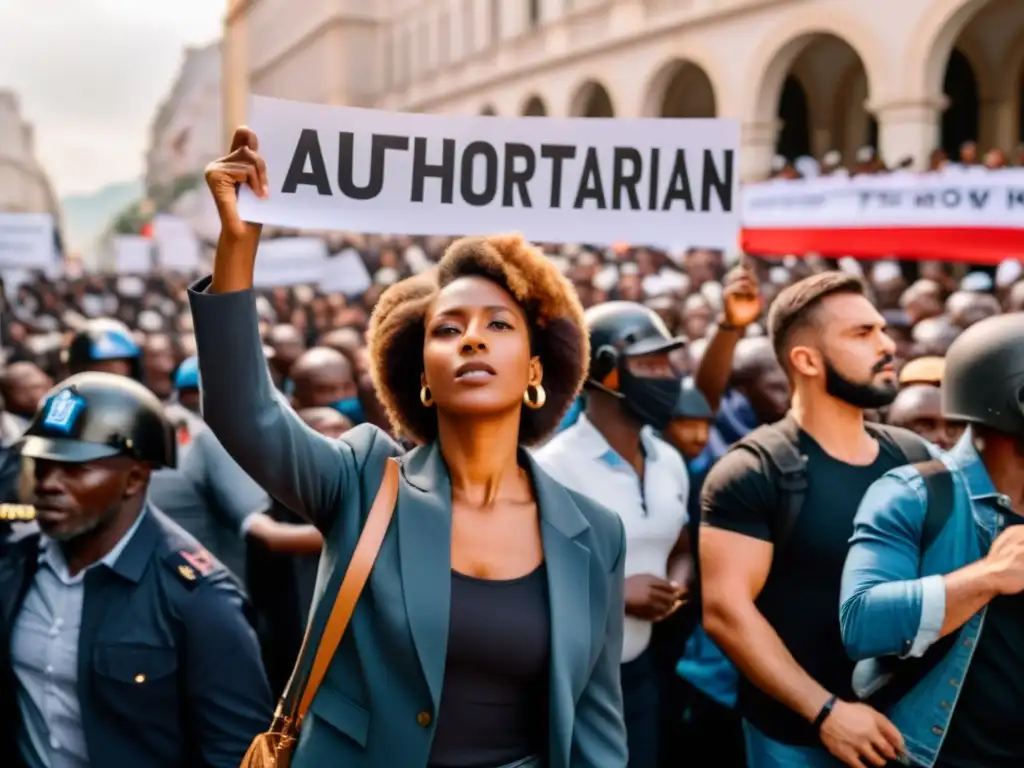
274	748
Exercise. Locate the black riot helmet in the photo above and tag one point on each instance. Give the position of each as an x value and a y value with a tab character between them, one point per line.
691	403
983	379
103	340
93	416
621	334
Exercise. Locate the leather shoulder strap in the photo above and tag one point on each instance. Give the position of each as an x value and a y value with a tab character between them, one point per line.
376	527
913	447
938	483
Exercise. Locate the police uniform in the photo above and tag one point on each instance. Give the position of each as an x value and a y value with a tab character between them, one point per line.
652	507
144	658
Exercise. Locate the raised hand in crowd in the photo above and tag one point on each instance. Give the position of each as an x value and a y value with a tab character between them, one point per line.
236	250
741	298
651	598
859	735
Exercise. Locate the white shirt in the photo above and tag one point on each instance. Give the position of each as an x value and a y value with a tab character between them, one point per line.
44	651
653	515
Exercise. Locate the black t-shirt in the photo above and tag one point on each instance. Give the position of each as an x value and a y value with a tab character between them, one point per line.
987	729
800	598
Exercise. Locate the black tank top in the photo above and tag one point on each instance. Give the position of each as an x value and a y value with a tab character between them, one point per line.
494	704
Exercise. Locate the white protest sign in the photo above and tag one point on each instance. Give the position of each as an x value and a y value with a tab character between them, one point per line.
133	254
290	261
176	242
26	240
666	182
346	274
928	200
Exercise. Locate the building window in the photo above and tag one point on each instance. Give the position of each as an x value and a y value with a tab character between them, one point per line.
404	59
468	31
495	21
389	60
533	13
444	38
425	57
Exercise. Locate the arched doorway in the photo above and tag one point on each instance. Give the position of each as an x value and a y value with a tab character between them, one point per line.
681	89
961	118
794	121
821	101
972	55
592	100
535	107
815	85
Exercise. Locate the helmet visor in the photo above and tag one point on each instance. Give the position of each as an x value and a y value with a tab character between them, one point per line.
65	450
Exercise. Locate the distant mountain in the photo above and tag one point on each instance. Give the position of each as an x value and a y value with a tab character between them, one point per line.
86	217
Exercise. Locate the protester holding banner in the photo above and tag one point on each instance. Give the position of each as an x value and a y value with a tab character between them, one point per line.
494	584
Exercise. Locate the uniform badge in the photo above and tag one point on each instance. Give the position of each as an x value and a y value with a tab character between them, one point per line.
17	513
200	560
62	412
187	573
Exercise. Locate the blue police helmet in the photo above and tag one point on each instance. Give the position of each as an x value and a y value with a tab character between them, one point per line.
187	375
102	340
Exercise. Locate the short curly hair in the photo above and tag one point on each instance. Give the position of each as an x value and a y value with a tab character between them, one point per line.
558	332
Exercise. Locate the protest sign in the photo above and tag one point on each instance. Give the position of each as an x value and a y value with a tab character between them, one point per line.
177	245
957	215
133	254
26	240
290	261
666	182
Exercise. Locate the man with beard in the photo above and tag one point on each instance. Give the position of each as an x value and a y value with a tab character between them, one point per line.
613	454
122	641
777	513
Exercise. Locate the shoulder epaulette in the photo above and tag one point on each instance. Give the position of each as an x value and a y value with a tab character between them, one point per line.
17	513
192	566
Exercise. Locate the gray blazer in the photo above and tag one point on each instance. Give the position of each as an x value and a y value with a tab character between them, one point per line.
378	702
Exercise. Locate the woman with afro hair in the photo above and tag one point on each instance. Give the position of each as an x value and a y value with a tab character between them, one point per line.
489	633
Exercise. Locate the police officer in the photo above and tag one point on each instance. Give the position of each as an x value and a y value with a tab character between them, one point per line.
937	576
613	454
104	345
122	641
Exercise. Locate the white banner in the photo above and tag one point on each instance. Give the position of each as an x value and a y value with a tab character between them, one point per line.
290	261
26	240
177	245
954	199
666	182
133	254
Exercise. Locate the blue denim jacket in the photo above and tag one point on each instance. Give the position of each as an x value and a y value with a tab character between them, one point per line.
893	599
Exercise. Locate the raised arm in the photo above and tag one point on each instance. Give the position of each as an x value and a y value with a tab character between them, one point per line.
303	470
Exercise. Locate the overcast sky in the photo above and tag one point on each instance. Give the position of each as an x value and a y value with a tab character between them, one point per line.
90	74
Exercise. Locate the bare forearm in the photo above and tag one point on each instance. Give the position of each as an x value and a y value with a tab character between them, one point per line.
715	367
755	648
234	262
968	590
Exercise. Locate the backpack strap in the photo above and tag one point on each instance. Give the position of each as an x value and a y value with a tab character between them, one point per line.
938	485
913	447
778	445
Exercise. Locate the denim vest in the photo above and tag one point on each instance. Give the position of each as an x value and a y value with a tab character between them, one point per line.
893	598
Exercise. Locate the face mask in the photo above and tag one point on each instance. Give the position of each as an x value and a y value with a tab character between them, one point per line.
651	401
350	408
863	396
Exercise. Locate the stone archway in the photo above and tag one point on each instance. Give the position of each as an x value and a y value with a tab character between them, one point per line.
803	37
591	99
681	88
821	101
534	107
966	55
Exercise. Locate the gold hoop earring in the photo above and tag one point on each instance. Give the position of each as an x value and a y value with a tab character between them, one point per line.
537	399
425	396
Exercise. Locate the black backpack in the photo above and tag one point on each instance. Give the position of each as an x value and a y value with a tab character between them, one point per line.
778	446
